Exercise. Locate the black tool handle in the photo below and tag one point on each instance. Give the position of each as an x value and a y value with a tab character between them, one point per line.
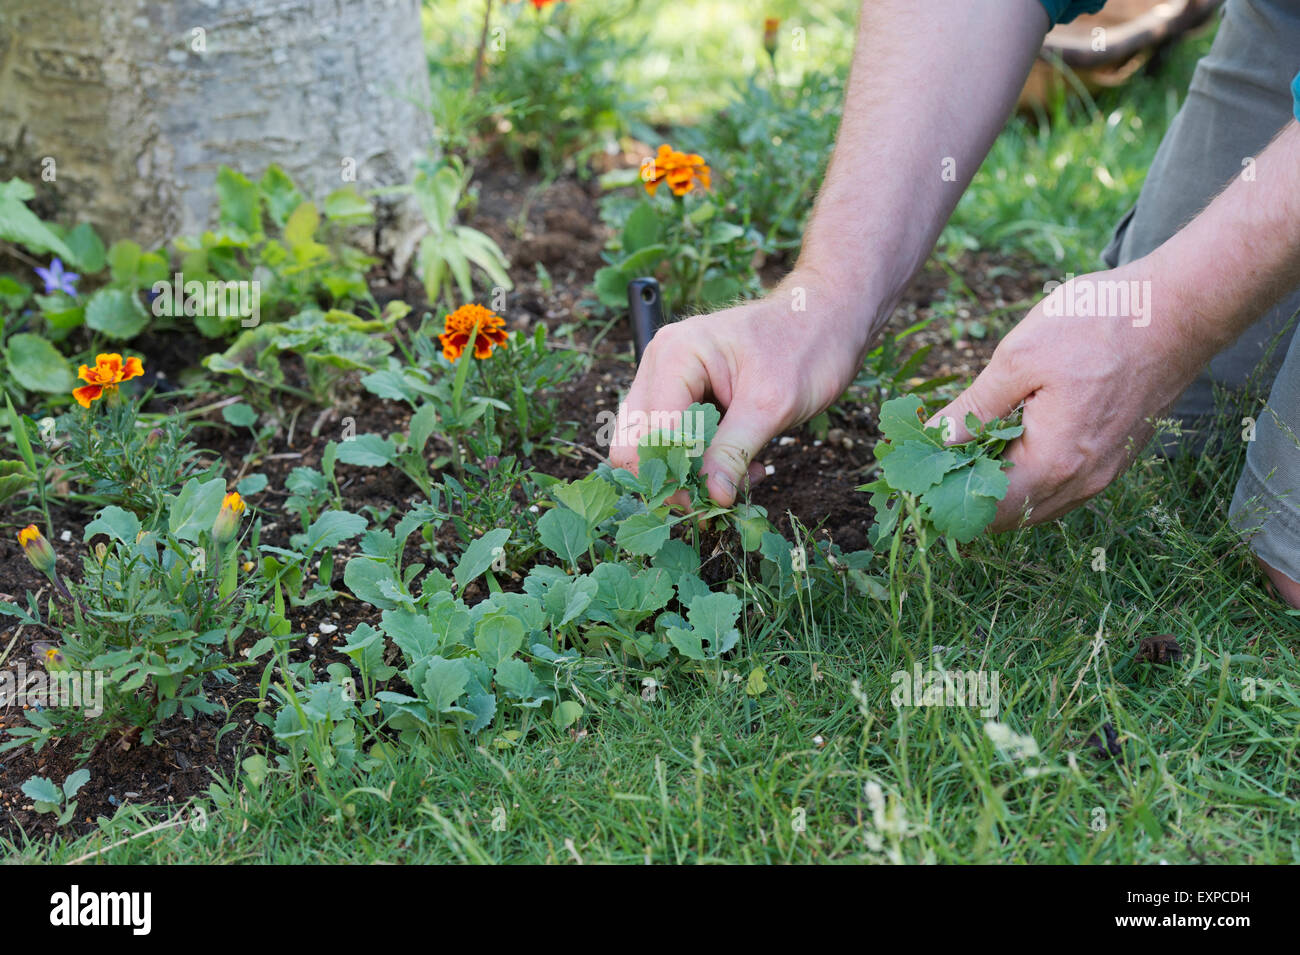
645	304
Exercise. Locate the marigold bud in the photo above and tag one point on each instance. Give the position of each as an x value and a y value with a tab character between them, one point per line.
226	526
770	27
154	438
37	548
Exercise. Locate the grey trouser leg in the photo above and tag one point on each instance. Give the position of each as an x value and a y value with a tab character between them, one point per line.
1238	100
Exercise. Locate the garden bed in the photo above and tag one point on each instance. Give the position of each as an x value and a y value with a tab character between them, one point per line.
812	477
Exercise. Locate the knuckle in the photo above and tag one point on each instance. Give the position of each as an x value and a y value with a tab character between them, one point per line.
667	342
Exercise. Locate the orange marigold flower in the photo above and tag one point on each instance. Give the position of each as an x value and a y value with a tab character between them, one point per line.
538	4
460	326
109	372
682	171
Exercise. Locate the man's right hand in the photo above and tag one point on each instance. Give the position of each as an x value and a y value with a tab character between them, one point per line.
769	365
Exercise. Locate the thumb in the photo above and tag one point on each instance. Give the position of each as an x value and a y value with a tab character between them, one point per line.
994	393
741	435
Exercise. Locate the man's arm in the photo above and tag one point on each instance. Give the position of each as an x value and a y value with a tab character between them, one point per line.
1094	384
931	85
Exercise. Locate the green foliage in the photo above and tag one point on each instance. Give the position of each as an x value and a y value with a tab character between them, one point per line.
563	78
35	364
157	608
452	252
624	587
1055	184
945	490
476	407
769	146
885	375
285	570
311	491
329	345
463	115
21	226
269	233
701	258
49	798
491	497
117	458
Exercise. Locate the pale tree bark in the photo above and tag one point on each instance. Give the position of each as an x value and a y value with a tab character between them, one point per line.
131	105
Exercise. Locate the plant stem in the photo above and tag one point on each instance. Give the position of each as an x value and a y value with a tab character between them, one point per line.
482	45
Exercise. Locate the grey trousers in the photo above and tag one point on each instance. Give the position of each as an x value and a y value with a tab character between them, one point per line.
1238	100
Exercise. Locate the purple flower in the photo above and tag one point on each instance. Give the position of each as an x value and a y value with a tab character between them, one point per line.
57	280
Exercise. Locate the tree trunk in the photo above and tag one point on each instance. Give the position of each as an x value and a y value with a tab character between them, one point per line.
120	112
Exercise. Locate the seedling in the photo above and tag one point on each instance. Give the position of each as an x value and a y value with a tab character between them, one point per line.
47	797
946	490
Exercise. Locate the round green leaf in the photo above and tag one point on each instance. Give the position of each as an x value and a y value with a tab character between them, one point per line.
37	365
116	313
240	415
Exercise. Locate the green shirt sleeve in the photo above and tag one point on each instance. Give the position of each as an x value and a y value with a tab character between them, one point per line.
1063	11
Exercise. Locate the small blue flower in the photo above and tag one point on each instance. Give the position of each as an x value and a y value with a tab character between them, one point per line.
57	280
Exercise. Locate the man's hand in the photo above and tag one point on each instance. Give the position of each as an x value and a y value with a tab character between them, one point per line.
1092	386
769	365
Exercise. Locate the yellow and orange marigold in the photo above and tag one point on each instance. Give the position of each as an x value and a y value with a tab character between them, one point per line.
459	327
109	372
538	4
682	171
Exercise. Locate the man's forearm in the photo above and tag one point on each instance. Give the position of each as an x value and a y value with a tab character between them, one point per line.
1223	270
931	86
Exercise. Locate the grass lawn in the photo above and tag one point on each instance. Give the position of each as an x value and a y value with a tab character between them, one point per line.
821	766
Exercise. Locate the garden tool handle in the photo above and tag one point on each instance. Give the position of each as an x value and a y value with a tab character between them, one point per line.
645	305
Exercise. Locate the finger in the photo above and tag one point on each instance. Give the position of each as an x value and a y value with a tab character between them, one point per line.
663	388
681	499
1032	497
994	393
1018	502
743	432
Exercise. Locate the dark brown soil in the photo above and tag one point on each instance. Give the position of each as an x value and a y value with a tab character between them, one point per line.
553	237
